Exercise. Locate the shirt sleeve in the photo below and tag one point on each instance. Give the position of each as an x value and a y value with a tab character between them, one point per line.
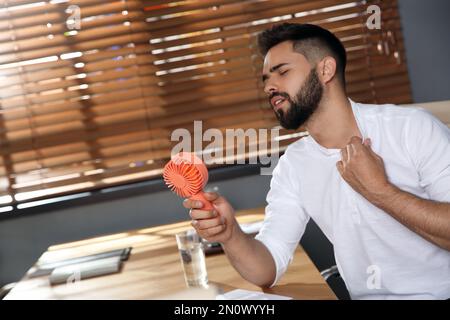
285	219
428	142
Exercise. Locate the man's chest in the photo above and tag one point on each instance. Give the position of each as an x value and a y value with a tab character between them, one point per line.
332	203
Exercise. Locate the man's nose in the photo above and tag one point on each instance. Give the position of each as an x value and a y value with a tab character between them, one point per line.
270	87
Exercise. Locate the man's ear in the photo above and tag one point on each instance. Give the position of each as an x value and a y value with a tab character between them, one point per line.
327	69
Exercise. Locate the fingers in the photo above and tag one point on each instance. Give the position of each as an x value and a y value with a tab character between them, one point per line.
211	196
202	214
192	204
208	223
340	167
356	143
208	227
344	156
349	148
368	144
352	147
195	204
355	140
210	232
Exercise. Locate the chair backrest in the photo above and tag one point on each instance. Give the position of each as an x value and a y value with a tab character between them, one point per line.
440	109
320	251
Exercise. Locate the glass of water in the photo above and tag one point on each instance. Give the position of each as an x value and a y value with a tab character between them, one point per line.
192	258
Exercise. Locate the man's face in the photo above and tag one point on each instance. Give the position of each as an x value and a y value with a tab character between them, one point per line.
293	87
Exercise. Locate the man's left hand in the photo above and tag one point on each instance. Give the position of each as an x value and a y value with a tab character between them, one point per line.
362	168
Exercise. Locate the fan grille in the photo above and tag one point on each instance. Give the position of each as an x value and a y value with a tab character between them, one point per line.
184	175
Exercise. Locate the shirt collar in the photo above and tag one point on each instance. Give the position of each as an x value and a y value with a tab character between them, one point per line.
332	152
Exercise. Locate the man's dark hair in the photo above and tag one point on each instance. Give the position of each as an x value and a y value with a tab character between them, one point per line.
310	40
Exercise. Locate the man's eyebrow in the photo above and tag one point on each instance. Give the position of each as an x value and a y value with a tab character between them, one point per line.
274	68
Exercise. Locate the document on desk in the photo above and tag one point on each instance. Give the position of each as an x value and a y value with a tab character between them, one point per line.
47	268
240	294
76	272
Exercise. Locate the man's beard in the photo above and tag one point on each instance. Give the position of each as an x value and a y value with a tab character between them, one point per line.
304	105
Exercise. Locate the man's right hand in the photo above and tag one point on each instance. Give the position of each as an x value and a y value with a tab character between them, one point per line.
218	225
249	256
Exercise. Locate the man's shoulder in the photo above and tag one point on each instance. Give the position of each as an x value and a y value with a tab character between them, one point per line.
293	154
390	111
394	119
297	147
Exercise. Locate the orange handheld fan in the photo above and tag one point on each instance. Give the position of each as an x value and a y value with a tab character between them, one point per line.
186	175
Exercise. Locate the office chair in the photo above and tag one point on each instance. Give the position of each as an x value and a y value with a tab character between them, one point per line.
320	251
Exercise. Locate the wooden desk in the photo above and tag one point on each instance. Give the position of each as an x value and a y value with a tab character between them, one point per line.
154	269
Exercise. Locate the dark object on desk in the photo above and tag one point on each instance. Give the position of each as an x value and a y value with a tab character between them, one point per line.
47	269
212	247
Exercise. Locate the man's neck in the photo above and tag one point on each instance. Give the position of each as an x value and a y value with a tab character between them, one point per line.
333	124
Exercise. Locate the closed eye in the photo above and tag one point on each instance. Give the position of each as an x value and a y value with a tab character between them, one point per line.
283	72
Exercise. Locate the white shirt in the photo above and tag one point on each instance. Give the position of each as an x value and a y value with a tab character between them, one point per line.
377	256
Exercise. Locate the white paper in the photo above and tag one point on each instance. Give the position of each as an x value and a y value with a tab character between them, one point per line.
240	294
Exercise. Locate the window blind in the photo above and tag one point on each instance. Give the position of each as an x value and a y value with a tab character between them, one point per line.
91	90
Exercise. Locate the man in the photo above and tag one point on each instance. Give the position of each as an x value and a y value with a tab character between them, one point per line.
375	179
